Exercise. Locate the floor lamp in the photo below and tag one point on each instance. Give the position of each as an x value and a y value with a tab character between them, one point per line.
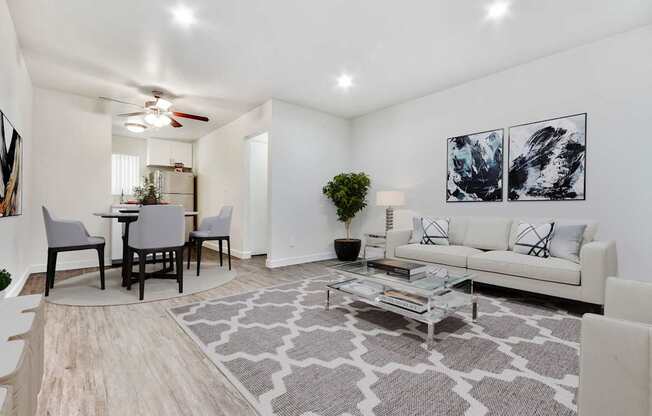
390	199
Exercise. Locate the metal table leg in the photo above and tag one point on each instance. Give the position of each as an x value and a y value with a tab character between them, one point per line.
125	242
474	314
431	334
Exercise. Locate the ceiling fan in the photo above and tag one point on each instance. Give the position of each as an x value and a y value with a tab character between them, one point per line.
155	113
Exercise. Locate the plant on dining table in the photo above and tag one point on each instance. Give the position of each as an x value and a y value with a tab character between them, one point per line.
5	279
147	193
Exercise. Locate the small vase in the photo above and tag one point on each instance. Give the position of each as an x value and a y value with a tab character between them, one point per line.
149	201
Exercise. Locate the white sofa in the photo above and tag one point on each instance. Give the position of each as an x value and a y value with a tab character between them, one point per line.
484	245
615	365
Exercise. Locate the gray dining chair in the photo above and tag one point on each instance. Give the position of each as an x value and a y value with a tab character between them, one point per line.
159	229
64	235
211	229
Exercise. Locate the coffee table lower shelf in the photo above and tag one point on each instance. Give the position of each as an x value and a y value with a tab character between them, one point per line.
437	312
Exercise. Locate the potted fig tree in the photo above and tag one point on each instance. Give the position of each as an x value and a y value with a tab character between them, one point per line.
348	191
5	281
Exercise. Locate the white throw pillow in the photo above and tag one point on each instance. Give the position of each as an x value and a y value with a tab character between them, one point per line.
534	240
434	231
417	231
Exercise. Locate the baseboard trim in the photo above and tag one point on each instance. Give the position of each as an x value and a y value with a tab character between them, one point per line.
235	253
289	261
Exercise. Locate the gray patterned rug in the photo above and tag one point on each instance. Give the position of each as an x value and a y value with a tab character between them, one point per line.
289	356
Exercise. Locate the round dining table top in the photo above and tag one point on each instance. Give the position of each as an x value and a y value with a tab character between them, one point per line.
133	213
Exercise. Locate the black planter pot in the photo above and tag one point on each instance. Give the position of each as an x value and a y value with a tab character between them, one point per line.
347	249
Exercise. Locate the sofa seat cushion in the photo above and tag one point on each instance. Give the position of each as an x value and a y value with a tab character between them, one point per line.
448	255
507	262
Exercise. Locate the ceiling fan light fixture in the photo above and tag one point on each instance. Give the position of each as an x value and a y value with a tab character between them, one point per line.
163	104
136	127
157	120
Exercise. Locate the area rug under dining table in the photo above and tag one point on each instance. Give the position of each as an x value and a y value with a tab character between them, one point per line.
287	355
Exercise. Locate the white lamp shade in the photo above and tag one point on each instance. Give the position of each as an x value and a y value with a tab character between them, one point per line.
390	198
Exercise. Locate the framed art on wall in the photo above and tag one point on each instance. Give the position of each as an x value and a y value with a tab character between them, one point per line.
547	160
10	169
475	167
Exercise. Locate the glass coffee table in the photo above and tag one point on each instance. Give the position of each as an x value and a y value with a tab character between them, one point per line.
440	291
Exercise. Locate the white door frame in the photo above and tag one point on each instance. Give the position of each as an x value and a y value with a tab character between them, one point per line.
248	210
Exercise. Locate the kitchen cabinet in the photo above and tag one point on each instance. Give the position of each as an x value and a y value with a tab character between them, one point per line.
168	152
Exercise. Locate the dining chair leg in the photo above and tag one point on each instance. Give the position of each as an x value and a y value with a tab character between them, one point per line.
48	273
228	247
220	243
141	274
179	260
54	267
100	257
199	244
189	252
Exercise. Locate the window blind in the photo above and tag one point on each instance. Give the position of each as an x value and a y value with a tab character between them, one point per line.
125	173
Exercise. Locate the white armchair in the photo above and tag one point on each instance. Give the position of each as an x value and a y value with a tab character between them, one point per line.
615	364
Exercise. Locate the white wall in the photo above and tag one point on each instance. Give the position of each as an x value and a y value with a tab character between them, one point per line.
71	170
307	148
222	172
404	146
258	207
16	103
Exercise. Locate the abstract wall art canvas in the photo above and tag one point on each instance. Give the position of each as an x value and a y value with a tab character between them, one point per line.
475	167
547	160
10	169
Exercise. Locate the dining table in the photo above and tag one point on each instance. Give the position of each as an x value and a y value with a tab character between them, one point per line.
127	216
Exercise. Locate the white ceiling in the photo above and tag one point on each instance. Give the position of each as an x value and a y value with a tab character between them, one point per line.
243	52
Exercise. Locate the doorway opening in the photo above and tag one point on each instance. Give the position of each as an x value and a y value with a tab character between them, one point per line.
257	212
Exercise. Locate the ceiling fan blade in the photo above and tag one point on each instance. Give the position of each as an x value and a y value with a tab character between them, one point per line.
190	116
175	123
120	101
139	113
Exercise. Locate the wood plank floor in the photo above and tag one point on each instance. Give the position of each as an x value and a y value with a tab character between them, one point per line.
135	360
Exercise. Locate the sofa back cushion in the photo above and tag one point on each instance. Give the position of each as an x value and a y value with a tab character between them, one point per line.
488	233
457	230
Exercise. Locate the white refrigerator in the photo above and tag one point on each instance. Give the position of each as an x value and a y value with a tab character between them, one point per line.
178	188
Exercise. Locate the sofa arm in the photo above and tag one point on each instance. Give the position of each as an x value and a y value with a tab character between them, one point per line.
628	300
614	367
396	238
598	260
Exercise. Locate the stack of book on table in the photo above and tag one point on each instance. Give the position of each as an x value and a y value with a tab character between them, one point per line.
398	268
365	289
414	303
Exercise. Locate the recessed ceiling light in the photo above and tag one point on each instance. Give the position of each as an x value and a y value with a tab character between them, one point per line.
136	127
345	81
497	10
183	15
